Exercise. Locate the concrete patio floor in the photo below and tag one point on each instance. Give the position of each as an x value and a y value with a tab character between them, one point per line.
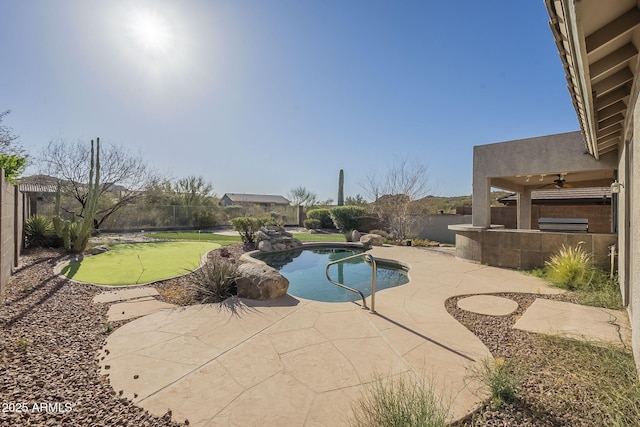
295	362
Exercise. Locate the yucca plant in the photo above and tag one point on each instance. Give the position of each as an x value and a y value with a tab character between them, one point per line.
570	268
214	282
38	231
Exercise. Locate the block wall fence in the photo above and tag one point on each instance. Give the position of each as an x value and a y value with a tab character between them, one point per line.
13	212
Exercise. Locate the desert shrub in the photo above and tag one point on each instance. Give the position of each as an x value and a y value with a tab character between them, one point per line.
311	224
204	219
38	231
570	267
423	242
400	402
214	282
233	211
322	215
248	226
502	377
270	220
347	217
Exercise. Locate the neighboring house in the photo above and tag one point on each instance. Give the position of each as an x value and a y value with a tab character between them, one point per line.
597	43
38	189
264	201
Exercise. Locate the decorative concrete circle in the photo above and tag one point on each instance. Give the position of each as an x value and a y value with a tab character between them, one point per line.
489	305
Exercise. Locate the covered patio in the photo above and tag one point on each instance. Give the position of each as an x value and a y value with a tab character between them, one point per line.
522	166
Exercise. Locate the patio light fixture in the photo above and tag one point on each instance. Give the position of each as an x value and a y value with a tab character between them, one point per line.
615	186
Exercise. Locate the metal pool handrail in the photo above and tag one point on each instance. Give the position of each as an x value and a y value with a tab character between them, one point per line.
374	269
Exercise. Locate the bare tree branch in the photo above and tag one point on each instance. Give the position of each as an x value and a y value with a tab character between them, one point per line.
124	176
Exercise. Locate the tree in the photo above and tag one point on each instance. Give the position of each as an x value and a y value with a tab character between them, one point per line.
357	200
13	158
8	140
394	192
300	196
341	188
124	177
193	193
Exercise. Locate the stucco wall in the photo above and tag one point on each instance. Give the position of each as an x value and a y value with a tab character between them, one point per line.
527	249
436	227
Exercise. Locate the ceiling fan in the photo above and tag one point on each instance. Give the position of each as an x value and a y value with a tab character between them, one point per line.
561	182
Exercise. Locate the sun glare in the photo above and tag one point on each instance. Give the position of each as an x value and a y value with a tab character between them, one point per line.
151	33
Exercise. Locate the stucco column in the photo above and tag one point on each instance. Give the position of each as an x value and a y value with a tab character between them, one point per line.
524	209
481	214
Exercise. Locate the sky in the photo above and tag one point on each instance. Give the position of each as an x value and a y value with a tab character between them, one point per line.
262	96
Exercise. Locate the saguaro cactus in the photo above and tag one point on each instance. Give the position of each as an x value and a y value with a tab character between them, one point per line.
75	236
341	188
85	227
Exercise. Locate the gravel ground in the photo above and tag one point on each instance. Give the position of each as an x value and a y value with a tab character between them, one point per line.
51	335
52	332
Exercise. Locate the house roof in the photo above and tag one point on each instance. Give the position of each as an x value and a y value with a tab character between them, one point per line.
591	195
38	184
32	187
256	198
597	43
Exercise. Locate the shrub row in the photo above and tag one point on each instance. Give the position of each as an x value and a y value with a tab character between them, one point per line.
344	218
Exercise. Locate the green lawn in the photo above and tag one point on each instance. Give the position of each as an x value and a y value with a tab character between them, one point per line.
230	240
221	239
135	263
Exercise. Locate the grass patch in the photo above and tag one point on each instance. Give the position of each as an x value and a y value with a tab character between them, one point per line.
502	377
572	269
128	264
598	383
223	239
399	402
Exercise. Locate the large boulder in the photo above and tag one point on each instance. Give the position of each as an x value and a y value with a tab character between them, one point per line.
260	282
372	240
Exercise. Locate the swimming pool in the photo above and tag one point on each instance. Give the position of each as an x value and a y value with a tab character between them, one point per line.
305	270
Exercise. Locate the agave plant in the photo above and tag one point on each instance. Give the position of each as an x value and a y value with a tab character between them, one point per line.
38	231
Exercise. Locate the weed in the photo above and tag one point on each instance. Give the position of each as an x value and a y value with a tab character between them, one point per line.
423	243
23	343
176	295
108	327
400	402
604	376
502	377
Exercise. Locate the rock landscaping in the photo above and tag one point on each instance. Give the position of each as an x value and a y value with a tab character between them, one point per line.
273	238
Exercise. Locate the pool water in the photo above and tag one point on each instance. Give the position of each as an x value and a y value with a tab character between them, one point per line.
305	270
